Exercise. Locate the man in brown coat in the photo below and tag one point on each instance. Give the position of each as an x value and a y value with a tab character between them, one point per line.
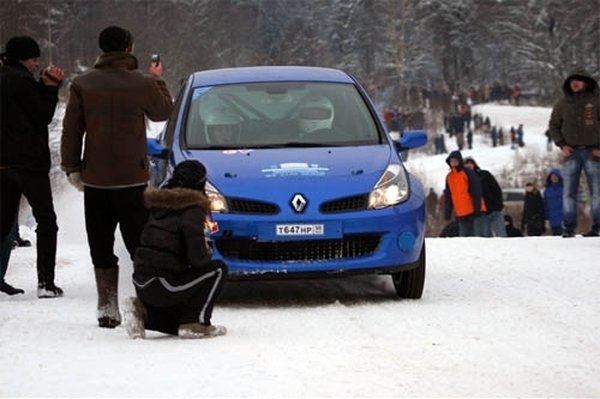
105	119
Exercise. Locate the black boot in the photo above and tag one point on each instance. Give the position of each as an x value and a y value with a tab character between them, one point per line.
9	289
49	290
19	242
107	284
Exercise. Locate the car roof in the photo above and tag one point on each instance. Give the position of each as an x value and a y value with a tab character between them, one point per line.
269	74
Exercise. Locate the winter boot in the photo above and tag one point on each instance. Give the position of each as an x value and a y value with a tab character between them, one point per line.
197	330
19	242
9	289
134	315
107	284
48	290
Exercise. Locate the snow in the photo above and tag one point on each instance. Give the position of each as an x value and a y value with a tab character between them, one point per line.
513	317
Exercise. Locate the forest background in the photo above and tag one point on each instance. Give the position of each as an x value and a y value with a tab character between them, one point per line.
402	51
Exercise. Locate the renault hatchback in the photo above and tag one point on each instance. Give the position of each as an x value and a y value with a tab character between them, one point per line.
303	177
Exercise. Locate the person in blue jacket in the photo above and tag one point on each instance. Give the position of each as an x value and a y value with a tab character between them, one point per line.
553	201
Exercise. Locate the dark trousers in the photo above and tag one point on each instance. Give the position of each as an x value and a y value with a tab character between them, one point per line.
188	298
5	249
104	210
35	187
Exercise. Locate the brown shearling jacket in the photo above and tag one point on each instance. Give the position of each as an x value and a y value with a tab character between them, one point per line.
105	119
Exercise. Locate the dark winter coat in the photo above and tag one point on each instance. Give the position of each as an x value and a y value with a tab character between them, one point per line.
463	190
173	240
107	108
533	213
490	189
26	108
553	199
511	230
575	118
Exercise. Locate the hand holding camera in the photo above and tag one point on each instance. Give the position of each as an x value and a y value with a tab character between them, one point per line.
155	67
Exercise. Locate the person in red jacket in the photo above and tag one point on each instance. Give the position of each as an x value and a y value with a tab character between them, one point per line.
463	194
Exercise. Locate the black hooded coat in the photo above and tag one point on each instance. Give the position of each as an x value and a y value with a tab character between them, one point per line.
173	240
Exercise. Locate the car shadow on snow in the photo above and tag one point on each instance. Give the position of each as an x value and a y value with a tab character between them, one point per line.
351	290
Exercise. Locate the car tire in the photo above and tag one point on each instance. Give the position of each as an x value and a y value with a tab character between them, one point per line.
409	284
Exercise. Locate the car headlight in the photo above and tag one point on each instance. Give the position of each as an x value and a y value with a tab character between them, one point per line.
391	189
217	200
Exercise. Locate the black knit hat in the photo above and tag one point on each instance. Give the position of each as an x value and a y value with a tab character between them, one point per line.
188	174
114	38
20	48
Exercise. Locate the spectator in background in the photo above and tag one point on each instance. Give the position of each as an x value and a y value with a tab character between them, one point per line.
470	139
516	95
575	127
431	202
553	201
520	134
463	194
513	138
511	230
500	136
532	220
104	153
492	195
548	141
27	108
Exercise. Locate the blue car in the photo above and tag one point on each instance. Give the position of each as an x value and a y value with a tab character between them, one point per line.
305	181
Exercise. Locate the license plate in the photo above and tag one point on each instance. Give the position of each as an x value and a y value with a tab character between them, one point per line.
299	229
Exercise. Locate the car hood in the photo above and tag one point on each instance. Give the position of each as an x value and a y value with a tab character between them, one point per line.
264	171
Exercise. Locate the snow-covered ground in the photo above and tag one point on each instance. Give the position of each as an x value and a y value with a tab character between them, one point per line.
499	317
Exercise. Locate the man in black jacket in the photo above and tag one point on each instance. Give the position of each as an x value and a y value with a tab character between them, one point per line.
27	107
492	195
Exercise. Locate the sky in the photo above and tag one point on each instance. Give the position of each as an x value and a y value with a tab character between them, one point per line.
509	317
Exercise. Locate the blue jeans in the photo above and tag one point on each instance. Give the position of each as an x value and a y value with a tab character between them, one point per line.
580	159
471	226
496	224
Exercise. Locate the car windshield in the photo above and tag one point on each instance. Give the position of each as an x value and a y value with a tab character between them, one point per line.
282	114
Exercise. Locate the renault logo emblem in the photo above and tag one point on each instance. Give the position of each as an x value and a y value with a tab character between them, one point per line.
298	203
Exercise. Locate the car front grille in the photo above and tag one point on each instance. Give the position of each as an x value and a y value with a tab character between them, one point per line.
348	204
351	246
251	207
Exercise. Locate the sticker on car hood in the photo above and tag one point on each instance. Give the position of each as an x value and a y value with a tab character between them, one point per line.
295	169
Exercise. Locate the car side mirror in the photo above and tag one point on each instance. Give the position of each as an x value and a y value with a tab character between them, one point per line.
156	149
412	139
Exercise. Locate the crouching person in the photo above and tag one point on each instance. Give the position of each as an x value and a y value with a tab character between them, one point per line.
176	281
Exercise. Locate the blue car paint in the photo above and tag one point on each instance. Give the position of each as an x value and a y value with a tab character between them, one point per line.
320	174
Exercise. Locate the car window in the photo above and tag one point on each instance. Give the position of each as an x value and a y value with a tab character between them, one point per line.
278	114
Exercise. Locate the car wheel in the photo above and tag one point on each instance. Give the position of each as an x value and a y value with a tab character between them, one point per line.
409	284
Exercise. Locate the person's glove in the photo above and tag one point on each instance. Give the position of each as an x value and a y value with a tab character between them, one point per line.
75	179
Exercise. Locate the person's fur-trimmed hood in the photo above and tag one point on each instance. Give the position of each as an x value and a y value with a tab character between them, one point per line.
175	198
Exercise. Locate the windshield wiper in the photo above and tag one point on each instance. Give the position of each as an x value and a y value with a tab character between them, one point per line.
298	144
